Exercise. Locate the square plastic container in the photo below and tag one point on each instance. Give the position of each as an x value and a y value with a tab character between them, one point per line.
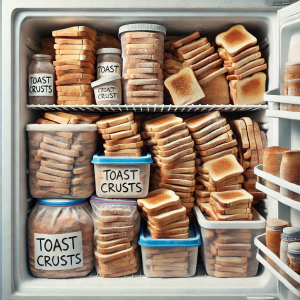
122	176
170	257
60	160
228	248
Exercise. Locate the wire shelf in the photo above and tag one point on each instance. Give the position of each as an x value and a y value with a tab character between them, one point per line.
147	108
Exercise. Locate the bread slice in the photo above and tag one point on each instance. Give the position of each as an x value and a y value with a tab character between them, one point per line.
192	46
238	65
231	198
176	150
223	138
231	261
236	39
196	51
163	210
174	157
243	54
218	148
220	122
198	122
114	120
184	88
186	40
249	66
229	181
240	131
159	199
162	123
164	133
218	209
199	57
177	165
168	217
223	168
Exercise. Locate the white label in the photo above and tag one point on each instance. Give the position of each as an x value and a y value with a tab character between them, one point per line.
58	251
121	182
40	84
108	92
105	69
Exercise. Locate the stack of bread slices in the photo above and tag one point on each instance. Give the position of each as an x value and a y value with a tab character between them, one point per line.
121	135
251	144
172	149
242	58
165	216
74	65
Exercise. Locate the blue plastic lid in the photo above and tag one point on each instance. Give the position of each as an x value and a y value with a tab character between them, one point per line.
128	202
61	202
194	239
101	159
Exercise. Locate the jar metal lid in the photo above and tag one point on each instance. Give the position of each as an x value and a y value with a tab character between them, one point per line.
290	234
41	56
61	202
294	248
109	50
142	27
105	80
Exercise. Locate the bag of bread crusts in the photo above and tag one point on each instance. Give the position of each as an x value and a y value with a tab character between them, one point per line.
60	238
60	160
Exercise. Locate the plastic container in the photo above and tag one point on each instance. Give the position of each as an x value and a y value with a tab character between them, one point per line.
228	248
142	53
289	235
60	160
60	238
109	62
170	257
122	177
108	90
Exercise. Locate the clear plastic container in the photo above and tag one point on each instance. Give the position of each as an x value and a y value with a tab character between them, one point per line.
60	160
122	177
109	62
228	248
108	90
60	239
170	257
142	53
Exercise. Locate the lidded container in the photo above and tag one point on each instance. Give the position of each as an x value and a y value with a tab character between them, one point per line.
293	257
228	248
122	177
60	238
109	62
60	160
289	235
108	90
41	78
170	257
142	53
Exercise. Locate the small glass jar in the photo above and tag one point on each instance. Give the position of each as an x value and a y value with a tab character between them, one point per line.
273	234
41	77
289	235
293	257
109	62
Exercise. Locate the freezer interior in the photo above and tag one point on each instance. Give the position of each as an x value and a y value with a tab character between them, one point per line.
38	24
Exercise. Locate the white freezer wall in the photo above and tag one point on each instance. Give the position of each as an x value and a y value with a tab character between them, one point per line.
23	19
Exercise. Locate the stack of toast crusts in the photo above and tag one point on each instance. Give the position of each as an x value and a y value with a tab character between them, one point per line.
251	144
173	154
75	65
242	58
121	135
165	215
117	228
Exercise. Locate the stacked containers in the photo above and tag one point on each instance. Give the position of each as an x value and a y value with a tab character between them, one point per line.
228	248
142	53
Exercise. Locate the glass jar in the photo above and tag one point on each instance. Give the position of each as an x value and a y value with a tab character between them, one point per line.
41	77
293	257
289	235
109	62
60	239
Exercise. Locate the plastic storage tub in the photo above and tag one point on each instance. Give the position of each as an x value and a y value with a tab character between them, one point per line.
228	248
170	257
122	177
60	160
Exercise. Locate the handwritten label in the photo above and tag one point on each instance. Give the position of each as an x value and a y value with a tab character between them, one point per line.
40	84
108	92
105	69
120	182
58	251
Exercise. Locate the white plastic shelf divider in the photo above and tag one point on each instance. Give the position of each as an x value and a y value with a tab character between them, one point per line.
147	108
260	242
276	180
275	97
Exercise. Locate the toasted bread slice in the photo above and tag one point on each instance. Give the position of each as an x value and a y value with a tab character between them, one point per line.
240	131
186	40
223	138
184	88
243	54
250	65
199	57
184	164
162	123
213	135
114	120
168	216
220	122
218	148
230	198
197	51
198	122
218	209
237	65
192	46
236	39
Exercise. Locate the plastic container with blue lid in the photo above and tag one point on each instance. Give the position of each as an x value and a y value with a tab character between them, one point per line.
170	257
122	176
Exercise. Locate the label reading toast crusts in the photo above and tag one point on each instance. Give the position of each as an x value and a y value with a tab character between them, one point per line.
40	84
58	251
121	181
107	93
105	69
